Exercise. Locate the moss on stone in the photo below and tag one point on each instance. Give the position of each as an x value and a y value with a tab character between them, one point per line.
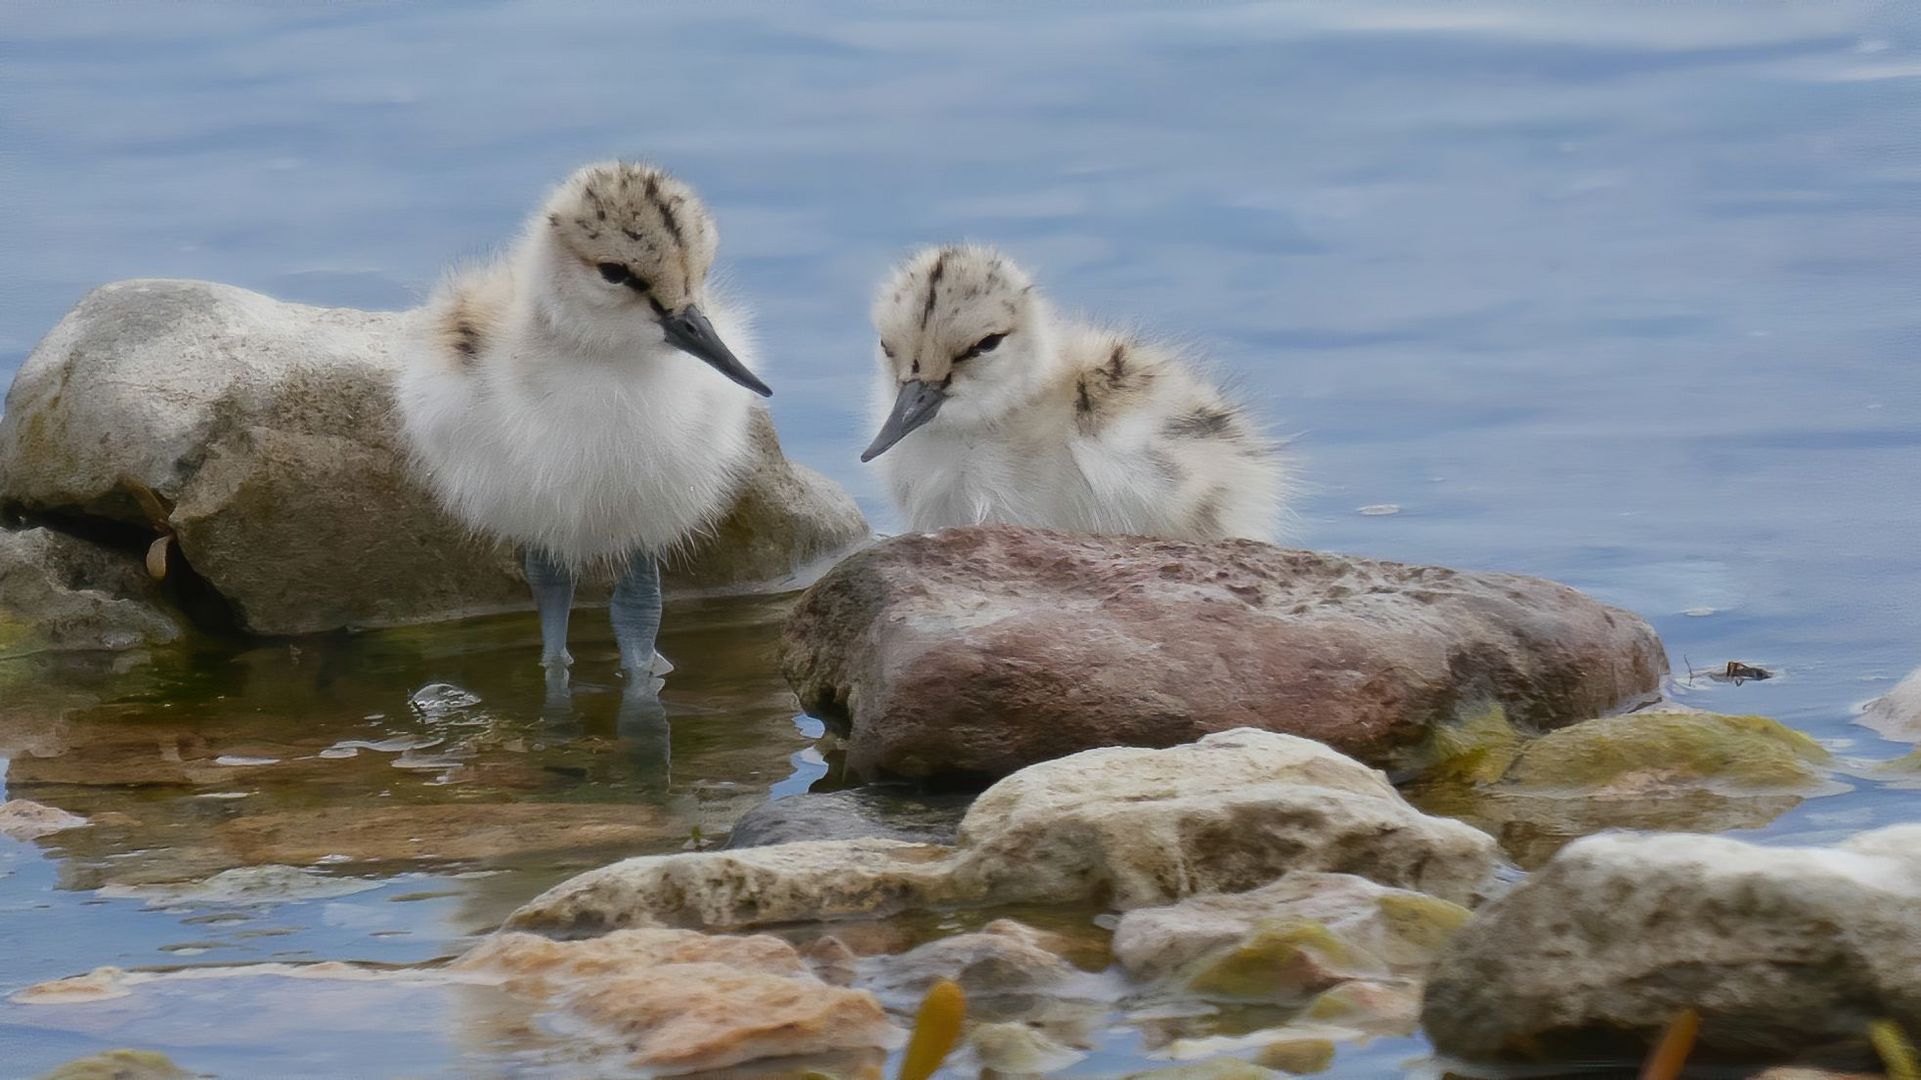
1419	921
1476	750
1297	1057
1288	959
1745	751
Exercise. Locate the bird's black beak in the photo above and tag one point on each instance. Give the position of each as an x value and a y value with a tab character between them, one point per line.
916	405
690	332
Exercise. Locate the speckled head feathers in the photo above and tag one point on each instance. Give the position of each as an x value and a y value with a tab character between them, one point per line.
946	307
639	219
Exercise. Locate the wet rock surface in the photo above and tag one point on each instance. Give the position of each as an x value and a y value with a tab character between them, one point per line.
973	652
58	592
684	1002
266	430
873	811
1295	938
1778	949
1666	767
1122	827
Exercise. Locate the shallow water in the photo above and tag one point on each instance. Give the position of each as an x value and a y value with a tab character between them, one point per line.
1621	295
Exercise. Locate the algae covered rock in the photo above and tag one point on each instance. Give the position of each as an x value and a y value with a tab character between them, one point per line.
1122	827
267	432
120	1065
60	593
974	652
1668	767
1335	925
1778	949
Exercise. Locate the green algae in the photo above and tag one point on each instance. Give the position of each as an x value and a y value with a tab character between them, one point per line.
1419	922
1286	959
1748	752
120	1065
1476	750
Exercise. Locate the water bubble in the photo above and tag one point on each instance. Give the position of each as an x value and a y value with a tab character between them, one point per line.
437	700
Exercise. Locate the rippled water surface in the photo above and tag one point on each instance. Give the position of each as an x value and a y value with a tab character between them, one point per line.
1625	295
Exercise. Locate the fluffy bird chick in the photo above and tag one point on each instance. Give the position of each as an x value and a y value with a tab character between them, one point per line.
581	395
997	409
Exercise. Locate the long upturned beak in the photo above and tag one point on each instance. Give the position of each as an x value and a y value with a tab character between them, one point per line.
689	331
916	405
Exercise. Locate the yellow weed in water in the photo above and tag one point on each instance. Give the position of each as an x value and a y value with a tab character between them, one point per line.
1672	1051
936	1029
1897	1053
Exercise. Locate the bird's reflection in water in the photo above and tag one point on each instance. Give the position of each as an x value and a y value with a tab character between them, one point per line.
641	729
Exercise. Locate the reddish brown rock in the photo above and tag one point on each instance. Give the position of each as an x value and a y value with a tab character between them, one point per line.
683	1001
973	652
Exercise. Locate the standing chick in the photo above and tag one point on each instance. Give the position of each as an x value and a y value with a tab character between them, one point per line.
1003	411
552	397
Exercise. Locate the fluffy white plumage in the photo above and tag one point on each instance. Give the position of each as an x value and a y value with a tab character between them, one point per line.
1058	423
544	404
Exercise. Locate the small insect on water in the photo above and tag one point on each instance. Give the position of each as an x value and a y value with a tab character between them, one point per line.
1737	673
1734	672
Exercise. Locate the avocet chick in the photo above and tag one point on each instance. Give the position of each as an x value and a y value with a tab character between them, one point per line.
999	410
580	398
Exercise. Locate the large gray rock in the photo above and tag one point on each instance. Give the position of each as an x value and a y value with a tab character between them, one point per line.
61	593
1778	949
1121	827
977	651
268	432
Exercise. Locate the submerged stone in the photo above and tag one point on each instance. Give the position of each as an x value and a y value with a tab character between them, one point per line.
850	815
681	1001
120	1065
22	819
1303	934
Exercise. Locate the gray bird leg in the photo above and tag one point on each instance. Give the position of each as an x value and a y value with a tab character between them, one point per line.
635	612
553	586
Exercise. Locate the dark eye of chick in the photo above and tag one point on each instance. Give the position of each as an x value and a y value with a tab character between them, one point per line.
616	274
885	351
984	345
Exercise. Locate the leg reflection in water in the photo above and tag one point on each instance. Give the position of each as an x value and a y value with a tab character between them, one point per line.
645	736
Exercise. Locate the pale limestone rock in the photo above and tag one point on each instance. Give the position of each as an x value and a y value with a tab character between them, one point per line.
1778	948
1125	827
22	819
1233	811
